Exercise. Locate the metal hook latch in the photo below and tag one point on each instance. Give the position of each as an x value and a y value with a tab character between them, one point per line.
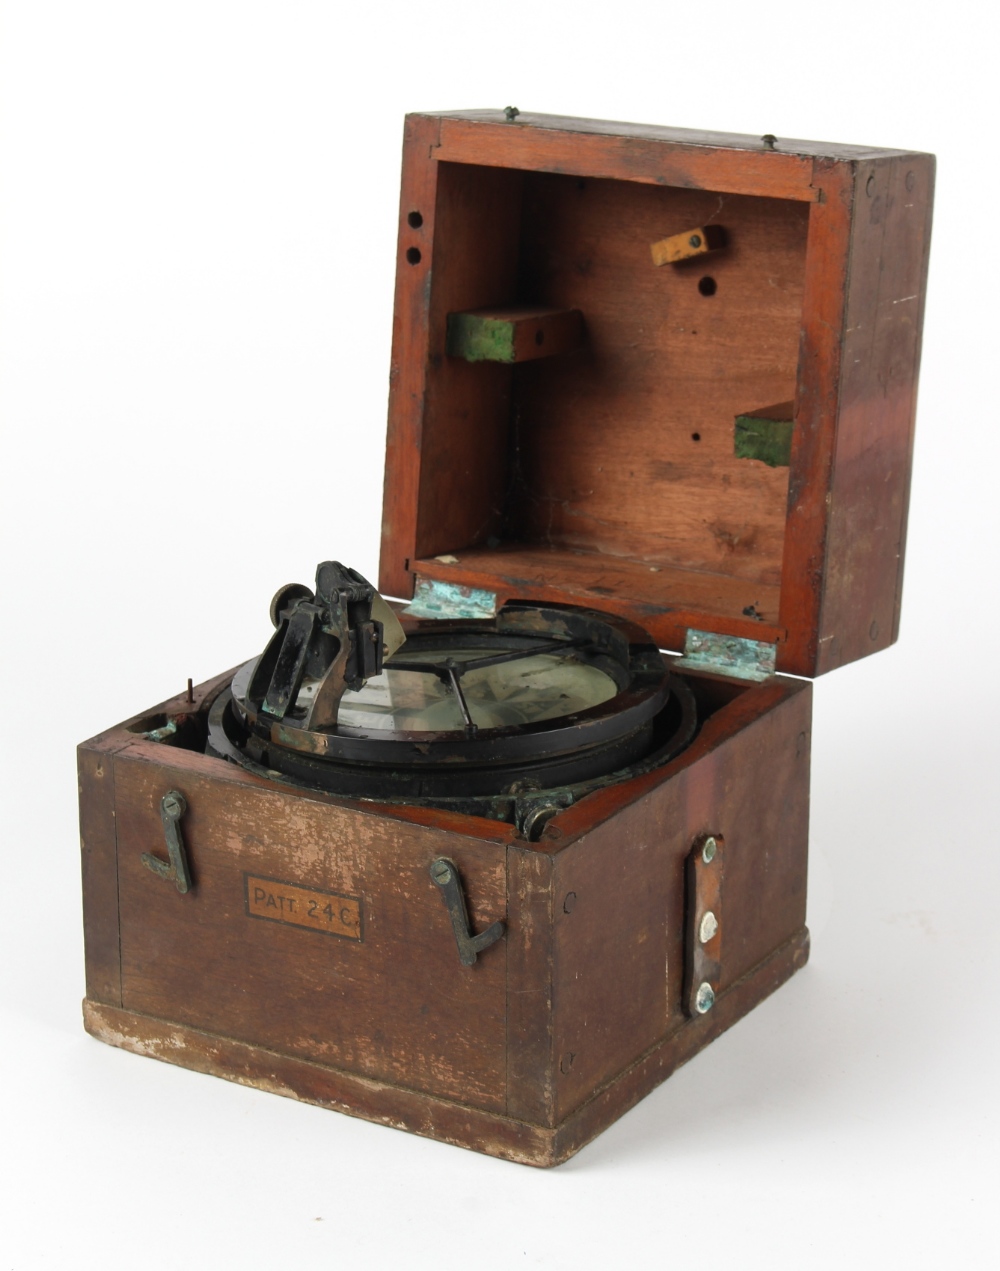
445	875
173	805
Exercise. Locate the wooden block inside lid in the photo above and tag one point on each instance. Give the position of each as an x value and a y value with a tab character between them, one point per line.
513	334
693	242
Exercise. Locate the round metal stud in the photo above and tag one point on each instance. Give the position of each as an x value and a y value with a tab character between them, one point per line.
709	926
174	804
708	850
705	998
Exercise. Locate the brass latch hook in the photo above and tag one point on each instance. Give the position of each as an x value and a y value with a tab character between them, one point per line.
445	874
173	805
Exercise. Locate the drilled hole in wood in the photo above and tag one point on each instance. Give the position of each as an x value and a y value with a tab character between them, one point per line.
415	220
707	286
413	255
696	436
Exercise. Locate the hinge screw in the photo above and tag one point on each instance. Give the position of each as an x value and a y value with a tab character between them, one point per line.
708	850
704	998
709	926
769	140
174	804
511	112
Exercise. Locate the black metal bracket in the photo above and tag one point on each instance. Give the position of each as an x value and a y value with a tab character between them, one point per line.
445	875
173	805
330	637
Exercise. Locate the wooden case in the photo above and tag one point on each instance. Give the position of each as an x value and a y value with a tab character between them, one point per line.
312	955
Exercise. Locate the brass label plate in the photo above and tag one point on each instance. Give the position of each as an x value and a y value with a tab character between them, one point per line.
325	911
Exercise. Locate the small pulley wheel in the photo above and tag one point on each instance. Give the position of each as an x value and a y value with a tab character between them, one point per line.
285	597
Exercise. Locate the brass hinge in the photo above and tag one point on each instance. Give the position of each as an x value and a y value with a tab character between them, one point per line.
435	599
728	655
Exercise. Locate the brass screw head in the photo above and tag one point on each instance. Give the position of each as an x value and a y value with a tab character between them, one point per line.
709	926
174	804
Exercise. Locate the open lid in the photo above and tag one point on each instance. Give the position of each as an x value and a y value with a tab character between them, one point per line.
663	373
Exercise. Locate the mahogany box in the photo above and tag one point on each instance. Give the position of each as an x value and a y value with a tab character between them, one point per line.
665	374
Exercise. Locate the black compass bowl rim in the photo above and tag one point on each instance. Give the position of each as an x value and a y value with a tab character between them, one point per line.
619	648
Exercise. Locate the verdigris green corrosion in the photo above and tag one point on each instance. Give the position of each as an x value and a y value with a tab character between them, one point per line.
769	440
435	599
728	655
480	339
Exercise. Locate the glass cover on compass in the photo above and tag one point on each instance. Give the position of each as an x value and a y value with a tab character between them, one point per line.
532	688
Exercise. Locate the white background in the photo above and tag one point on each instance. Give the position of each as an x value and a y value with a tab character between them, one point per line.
199	211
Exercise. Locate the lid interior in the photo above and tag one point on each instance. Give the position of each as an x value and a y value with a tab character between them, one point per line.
667	374
612	472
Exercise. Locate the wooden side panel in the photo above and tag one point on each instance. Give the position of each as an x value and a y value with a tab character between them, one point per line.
740	142
448	420
99	866
619	891
408	370
615	1099
463	457
890	245
853	438
816	398
626	153
530	1086
394	1004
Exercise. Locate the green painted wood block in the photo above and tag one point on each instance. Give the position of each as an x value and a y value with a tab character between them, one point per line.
480	339
513	335
765	435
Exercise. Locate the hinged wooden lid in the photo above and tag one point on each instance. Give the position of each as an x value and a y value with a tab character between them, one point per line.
668	374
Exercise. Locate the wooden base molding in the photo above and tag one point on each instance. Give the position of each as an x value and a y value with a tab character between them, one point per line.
424	1114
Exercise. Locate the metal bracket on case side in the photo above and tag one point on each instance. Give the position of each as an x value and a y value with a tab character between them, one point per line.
445	875
173	805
